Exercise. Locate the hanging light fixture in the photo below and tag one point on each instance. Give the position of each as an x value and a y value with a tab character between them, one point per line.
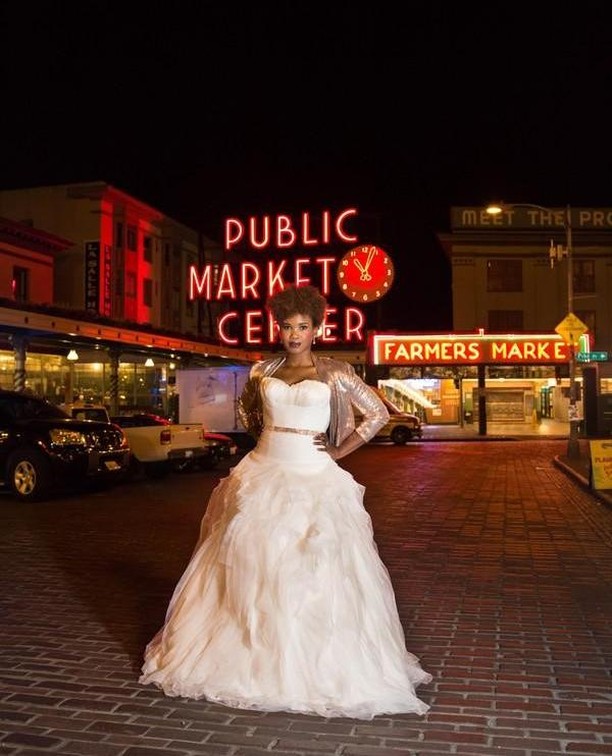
149	362
72	355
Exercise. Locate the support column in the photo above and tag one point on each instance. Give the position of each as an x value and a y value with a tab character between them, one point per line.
114	380
69	398
482	401
20	346
590	400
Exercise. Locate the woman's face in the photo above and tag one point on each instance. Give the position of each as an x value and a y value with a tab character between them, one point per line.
297	333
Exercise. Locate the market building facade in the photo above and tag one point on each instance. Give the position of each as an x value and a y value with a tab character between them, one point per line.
91	272
505	361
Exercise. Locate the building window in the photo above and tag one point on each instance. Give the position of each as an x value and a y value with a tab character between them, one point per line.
147	292
21	284
505	321
584	275
504	275
131	238
130	285
119	235
588	318
147	252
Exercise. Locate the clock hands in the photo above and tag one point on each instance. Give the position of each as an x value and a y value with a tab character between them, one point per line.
371	253
365	276
364	269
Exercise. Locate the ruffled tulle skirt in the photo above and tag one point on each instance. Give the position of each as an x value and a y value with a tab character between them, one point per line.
285	603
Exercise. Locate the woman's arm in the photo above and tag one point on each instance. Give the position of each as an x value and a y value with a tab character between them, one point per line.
371	409
350	443
249	405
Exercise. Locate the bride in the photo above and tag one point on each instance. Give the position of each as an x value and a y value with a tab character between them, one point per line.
285	604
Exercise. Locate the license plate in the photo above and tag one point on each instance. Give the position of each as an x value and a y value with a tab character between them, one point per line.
189	453
110	464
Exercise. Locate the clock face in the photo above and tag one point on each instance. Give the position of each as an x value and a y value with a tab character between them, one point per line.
365	273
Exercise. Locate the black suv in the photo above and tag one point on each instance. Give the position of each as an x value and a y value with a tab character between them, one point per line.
42	448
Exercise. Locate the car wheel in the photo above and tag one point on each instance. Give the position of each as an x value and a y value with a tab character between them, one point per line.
400	435
29	475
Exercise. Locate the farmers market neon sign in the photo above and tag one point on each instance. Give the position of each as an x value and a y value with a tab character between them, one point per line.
494	349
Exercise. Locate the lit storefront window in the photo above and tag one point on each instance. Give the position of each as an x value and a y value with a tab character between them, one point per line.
49	376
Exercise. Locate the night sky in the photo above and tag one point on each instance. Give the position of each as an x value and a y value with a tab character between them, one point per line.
403	110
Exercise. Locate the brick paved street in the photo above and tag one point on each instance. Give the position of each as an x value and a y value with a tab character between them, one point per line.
502	566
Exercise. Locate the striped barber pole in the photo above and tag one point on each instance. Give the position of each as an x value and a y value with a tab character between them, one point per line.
114	381
19	374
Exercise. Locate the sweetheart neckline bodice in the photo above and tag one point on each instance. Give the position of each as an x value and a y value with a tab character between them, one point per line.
296	383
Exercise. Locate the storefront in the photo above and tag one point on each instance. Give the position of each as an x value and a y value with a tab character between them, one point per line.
64	359
482	379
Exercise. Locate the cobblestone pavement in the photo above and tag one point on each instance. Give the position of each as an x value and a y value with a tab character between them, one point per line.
502	566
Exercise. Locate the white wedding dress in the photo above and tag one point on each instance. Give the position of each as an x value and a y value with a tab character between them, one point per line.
285	604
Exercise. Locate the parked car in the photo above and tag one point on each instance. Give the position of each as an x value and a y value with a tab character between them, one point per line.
158	446
220	445
400	429
82	411
42	448
225	446
401	426
180	447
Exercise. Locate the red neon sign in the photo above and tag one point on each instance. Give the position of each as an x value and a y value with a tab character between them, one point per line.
468	350
282	232
259	328
250	281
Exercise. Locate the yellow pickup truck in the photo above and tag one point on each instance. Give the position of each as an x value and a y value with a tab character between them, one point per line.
157	446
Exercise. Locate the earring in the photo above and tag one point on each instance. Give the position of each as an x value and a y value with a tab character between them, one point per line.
314	339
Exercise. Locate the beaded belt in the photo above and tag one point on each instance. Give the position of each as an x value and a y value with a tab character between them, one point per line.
301	431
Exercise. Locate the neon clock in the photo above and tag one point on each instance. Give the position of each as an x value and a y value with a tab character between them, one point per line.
365	273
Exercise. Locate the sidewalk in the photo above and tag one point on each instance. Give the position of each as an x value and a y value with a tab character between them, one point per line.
470	431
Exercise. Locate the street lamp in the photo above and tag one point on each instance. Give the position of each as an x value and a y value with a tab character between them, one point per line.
564	217
72	357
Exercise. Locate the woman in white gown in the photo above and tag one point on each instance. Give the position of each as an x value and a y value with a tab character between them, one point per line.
285	604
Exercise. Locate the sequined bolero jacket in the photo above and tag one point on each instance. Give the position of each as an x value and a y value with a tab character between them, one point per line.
348	391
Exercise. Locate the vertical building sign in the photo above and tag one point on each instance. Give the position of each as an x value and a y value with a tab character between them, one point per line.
92	276
106	288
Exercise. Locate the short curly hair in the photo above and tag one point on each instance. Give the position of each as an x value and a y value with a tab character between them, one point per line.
298	300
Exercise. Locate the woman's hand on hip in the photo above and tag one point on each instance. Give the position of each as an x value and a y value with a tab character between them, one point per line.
322	443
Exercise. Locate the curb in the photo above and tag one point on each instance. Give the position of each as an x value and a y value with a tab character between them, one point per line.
604	496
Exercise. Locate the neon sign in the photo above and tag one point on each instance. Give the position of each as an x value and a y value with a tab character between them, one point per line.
397	349
282	230
252	280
